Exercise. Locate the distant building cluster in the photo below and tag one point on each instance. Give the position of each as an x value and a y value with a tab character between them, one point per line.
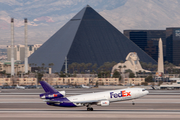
19	81
3	57
147	40
18	67
19	51
134	81
19	56
70	81
92	81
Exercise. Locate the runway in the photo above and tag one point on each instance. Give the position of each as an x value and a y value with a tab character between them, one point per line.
158	106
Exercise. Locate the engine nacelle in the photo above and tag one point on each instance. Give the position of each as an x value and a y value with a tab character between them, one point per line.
103	103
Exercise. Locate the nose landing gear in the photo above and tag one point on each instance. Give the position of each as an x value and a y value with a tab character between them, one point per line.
133	102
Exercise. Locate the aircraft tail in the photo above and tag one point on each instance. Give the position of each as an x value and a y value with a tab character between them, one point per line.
51	93
48	88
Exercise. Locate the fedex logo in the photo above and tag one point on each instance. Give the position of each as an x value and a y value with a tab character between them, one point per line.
54	95
121	94
104	103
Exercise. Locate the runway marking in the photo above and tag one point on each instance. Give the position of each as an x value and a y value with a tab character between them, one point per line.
83	111
111	113
22	102
110	103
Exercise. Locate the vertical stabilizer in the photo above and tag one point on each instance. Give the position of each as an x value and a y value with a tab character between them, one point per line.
47	88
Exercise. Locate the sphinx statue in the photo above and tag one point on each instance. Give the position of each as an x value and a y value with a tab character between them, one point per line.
132	63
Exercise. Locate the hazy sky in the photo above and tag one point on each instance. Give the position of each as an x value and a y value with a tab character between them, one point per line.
45	17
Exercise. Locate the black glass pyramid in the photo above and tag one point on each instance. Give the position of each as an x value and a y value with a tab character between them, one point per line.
86	38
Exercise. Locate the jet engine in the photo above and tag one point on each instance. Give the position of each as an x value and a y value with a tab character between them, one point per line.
103	103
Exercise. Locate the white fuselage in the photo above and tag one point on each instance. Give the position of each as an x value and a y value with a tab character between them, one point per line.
111	96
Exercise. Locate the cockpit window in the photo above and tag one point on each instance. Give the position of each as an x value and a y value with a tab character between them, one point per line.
143	89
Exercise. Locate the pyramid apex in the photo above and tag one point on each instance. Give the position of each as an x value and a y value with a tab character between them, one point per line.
87	5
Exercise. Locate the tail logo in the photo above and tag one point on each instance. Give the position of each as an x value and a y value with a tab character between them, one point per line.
52	95
55	95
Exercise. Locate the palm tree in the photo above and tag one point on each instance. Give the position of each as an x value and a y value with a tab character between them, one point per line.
94	66
83	66
150	66
52	64
69	67
171	66
89	65
107	66
113	63
73	65
49	65
78	67
42	68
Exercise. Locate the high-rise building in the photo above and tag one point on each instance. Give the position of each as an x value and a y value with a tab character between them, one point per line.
173	45
19	51
86	38
148	40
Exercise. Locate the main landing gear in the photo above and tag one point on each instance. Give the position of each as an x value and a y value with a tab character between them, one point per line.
89	108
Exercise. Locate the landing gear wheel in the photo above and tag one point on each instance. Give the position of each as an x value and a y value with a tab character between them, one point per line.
89	109
133	103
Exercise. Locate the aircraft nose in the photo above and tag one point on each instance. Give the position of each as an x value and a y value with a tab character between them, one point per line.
144	91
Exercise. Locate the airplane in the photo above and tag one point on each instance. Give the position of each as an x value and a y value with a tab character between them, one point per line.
57	98
155	87
20	87
83	86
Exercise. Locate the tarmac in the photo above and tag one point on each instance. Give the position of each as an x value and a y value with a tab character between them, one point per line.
157	105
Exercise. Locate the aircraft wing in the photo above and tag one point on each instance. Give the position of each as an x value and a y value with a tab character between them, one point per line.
86	101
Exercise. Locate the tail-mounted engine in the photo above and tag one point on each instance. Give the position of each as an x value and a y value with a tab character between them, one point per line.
52	95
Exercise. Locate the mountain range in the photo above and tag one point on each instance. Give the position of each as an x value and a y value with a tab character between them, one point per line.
47	16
